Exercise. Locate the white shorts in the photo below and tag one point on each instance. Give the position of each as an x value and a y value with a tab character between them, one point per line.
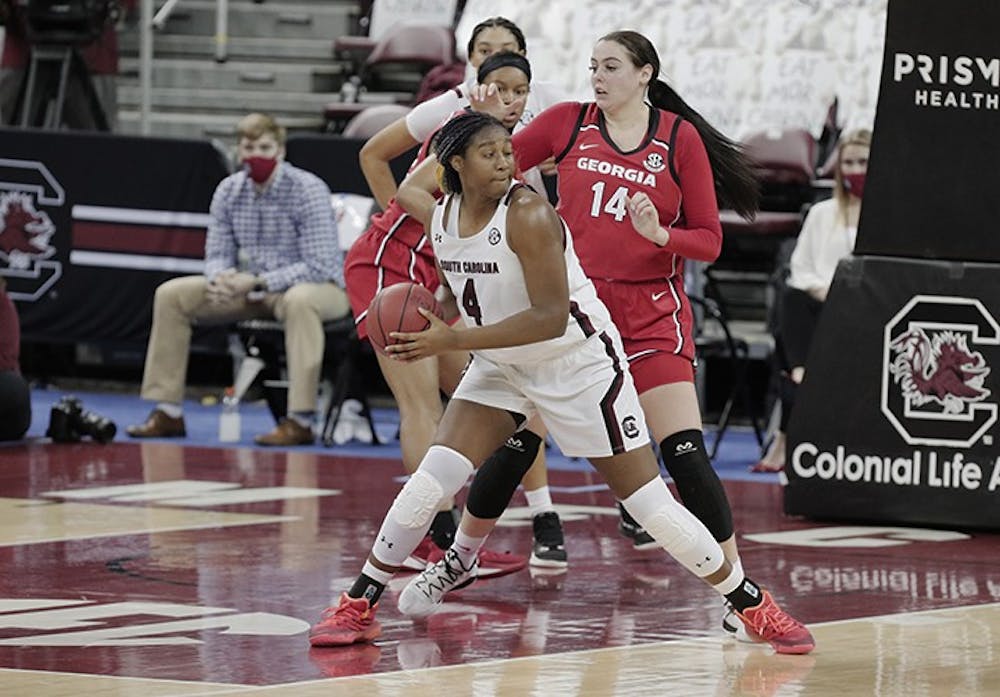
586	398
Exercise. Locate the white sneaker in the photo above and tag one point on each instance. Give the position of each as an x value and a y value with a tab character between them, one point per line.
734	626
424	593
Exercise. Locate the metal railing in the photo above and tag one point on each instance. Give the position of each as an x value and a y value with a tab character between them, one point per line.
148	22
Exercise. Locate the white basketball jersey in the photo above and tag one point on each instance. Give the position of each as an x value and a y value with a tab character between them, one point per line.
488	282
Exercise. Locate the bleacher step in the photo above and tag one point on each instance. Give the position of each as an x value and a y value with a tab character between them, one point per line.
228	101
244	75
271	20
238	48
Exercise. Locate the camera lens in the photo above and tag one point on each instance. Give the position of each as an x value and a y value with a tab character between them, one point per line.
100	428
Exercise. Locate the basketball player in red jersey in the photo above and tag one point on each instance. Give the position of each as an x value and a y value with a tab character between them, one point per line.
638	186
395	249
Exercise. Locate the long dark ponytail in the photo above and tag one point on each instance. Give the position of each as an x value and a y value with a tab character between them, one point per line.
736	187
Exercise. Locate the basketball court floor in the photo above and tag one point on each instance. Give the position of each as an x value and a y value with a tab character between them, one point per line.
164	569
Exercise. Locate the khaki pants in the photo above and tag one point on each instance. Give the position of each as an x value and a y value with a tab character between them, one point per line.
181	302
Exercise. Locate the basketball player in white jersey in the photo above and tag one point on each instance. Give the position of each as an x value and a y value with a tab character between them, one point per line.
542	343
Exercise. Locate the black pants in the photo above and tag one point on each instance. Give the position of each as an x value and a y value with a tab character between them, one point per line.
15	406
799	316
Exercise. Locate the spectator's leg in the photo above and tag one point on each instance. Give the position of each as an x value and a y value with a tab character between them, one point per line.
303	309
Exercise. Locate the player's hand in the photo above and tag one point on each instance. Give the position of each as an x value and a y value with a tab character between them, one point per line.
646	219
486	99
412	346
548	167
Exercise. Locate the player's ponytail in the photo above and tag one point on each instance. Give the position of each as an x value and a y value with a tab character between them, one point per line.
736	187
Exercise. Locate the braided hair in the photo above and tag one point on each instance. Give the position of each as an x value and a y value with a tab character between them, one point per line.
736	186
453	138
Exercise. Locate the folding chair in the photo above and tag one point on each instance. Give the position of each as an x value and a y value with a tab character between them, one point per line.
737	352
264	339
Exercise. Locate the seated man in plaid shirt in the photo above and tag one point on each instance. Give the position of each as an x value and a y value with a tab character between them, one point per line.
272	252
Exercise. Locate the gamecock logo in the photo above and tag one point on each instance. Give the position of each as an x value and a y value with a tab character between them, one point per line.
26	229
934	389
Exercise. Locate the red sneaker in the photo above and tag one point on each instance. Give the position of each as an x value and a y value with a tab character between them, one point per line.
782	631
426	553
352	621
495	564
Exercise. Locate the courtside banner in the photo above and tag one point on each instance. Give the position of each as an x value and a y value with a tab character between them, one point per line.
896	420
934	175
92	223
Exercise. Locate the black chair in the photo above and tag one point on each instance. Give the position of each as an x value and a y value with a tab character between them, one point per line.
736	351
342	359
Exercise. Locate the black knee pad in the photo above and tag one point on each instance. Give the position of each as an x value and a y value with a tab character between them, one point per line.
496	481
698	485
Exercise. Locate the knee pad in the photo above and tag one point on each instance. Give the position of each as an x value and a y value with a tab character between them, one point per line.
685	458
675	528
497	480
441	474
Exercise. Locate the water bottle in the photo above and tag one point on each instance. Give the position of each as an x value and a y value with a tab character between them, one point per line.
229	419
349	90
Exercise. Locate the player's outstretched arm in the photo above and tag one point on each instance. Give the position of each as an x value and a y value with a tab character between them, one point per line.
417	192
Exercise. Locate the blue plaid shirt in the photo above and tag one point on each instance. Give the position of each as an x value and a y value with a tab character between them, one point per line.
286	234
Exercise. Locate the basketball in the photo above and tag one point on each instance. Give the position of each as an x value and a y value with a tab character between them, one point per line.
394	309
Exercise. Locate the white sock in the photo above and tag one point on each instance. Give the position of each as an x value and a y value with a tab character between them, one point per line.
539	500
737	565
303	418
376	574
731	582
174	411
467	548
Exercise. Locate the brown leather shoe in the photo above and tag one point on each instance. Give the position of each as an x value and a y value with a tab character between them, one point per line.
159	425
287	432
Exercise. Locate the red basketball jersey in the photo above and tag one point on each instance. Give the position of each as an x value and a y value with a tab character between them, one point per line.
641	283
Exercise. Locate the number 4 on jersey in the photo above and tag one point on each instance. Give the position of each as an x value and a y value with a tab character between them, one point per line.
615	206
471	303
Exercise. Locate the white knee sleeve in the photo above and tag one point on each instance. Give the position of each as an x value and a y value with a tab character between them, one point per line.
442	473
675	528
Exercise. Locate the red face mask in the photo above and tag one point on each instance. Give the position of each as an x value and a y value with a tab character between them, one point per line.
260	168
855	183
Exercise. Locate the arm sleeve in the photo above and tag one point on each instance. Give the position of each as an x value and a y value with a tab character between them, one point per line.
220	245
318	242
546	135
698	234
425	118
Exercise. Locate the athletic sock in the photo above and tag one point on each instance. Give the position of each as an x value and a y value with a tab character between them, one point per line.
539	500
174	411
305	419
740	591
370	583
466	547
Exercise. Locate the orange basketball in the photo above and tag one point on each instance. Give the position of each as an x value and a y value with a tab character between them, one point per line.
394	309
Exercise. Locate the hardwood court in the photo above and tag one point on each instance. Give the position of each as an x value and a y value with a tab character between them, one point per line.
161	570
